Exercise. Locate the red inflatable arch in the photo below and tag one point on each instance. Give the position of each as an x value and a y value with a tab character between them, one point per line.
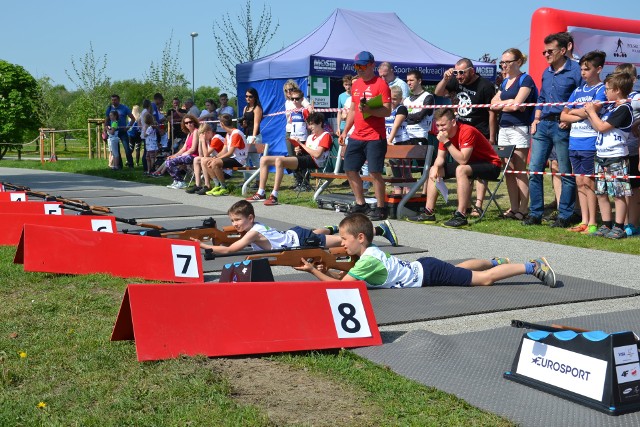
546	21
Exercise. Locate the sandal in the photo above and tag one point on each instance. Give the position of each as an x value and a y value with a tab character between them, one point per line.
509	214
519	216
476	210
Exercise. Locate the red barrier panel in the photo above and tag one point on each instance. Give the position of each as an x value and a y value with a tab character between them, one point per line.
225	319
74	251
13	196
46	208
11	224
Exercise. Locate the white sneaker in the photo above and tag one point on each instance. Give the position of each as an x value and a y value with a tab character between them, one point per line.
173	184
180	185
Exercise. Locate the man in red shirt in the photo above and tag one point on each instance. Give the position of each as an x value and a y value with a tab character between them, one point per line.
370	104
473	157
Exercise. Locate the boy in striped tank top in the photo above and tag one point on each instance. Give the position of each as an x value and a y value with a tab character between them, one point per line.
261	237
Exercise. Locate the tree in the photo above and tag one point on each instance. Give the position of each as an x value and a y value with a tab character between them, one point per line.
54	100
19	97
166	76
93	87
238	45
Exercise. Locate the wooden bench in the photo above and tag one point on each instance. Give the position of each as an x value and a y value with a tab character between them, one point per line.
422	153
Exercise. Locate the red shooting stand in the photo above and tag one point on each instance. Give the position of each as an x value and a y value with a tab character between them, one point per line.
11	224
46	208
74	251
226	319
13	196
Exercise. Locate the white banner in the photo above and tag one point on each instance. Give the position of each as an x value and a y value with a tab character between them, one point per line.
565	369
619	47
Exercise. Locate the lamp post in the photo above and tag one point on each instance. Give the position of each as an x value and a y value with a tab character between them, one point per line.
193	65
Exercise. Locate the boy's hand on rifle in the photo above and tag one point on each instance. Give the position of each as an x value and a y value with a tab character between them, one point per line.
202	244
306	266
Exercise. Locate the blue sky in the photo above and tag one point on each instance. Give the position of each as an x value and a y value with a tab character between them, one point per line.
43	35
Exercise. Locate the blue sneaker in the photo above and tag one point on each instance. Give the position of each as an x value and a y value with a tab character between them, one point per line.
631	230
388	232
543	271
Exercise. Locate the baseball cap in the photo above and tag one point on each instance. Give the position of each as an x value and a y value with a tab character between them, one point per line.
364	58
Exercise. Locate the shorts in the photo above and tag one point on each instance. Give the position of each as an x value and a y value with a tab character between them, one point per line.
582	161
359	152
481	170
518	136
306	161
616	187
440	273
312	239
231	162
633	170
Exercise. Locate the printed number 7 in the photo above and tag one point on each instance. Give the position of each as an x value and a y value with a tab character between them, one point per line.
186	264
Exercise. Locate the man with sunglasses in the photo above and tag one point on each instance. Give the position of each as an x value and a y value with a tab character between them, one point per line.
559	81
370	104
470	88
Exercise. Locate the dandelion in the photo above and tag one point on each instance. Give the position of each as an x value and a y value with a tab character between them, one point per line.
22	354
42	405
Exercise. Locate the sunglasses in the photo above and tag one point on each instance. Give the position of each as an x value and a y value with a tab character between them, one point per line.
289	89
296	99
506	62
188	123
249	96
548	52
360	67
460	72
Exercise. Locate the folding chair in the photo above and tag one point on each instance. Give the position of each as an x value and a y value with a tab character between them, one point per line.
505	153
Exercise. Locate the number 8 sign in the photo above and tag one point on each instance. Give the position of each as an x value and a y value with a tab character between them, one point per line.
348	313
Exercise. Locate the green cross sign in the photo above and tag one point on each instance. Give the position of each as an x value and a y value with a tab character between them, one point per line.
319	86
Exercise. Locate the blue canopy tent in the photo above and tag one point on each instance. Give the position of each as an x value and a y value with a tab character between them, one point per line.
329	51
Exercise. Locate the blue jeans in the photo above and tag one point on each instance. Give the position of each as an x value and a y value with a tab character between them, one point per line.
124	138
547	136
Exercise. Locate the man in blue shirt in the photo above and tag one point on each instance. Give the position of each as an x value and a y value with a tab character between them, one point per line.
558	82
124	115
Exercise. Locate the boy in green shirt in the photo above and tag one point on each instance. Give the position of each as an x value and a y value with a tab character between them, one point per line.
381	270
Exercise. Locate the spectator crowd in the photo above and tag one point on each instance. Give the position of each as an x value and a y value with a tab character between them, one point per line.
590	139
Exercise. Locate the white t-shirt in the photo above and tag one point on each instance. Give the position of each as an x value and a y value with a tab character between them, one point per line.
278	239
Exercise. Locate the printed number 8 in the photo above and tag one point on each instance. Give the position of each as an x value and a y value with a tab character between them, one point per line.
348	312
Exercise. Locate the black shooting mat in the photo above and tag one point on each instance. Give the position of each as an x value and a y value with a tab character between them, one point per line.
393	306
165	211
99	192
471	365
129	200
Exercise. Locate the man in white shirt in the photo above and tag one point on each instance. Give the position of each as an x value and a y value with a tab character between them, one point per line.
385	70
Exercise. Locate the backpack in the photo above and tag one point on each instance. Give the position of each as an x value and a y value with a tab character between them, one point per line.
533	95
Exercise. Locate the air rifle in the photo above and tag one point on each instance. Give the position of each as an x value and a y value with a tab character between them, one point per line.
79	206
207	231
71	204
335	258
546	328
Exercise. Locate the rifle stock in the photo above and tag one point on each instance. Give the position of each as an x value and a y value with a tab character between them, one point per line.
546	328
335	258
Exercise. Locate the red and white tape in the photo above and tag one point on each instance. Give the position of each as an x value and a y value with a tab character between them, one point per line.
455	106
602	176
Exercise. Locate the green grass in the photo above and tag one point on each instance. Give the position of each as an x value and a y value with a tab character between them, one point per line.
62	325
